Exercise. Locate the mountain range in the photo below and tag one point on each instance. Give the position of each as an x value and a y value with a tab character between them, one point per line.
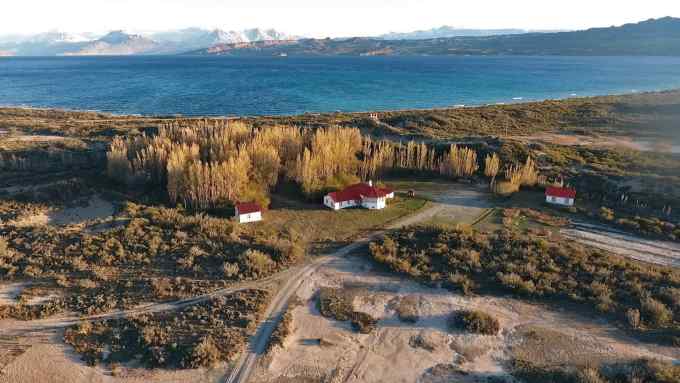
122	43
654	37
660	37
448	31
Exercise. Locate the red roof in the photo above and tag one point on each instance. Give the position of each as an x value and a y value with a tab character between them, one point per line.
358	191
560	192
247	208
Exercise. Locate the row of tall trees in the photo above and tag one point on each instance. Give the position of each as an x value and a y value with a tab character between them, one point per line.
209	163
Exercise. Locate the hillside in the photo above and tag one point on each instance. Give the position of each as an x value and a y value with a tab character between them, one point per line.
656	37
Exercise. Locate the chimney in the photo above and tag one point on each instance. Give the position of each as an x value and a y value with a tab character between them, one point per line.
370	183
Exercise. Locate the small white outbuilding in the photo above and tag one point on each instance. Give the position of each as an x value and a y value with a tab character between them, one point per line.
560	196
248	212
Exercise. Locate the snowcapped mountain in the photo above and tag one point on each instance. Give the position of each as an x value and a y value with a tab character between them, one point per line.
57	43
116	43
190	39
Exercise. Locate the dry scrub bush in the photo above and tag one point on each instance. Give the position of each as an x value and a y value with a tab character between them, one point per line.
529	266
256	262
334	303
477	322
363	322
204	354
282	331
655	313
407	309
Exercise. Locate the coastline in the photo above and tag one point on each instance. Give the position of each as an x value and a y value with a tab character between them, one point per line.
512	102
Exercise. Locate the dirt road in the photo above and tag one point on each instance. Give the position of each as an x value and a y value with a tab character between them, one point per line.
451	203
641	249
23	328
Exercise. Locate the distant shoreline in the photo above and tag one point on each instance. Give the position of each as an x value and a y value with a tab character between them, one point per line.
513	102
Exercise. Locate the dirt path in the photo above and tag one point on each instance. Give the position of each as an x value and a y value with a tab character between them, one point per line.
449	203
389	354
24	328
641	249
258	344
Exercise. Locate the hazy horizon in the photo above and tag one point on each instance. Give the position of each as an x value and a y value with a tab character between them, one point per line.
313	19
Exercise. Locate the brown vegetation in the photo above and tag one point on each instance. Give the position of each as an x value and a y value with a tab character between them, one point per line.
159	254
531	267
197	336
337	304
474	321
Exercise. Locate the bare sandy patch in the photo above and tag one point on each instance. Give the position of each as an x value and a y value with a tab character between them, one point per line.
96	208
9	293
625	142
426	349
35	138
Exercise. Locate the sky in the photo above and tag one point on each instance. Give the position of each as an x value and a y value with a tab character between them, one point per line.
319	18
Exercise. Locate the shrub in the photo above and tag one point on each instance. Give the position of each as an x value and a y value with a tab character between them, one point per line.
204	354
461	282
334	303
407	309
655	313
230	269
362	322
282	331
4	250
475	321
633	318
505	188
606	214
671	296
256	262
589	375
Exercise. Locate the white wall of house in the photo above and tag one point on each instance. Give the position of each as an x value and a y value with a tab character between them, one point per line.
250	217
559	200
328	201
374	203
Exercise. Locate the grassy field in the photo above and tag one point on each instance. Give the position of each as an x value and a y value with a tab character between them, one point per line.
319	225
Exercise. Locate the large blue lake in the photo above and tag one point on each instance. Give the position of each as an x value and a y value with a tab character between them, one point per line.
162	85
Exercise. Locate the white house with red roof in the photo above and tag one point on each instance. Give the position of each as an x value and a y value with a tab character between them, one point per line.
560	196
248	212
362	194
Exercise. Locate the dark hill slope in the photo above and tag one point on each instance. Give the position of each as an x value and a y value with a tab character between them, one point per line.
656	37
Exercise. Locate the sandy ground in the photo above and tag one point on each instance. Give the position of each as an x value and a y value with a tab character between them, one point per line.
642	249
602	141
326	350
34	138
10	292
390	354
96	208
